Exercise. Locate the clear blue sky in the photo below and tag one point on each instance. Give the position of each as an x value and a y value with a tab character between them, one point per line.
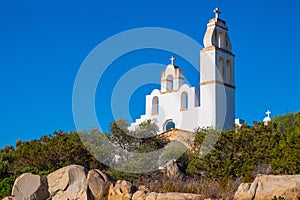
43	43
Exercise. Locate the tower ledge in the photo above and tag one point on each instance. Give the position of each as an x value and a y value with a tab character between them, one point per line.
217	48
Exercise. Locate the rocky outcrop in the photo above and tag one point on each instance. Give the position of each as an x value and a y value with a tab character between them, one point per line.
30	187
268	186
121	190
98	184
68	183
71	182
75	182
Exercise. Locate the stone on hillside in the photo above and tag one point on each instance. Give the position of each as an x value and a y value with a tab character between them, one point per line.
268	186
172	170
178	196
150	196
245	191
9	198
98	184
121	190
30	187
68	183
143	195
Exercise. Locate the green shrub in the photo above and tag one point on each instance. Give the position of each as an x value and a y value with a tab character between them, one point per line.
6	185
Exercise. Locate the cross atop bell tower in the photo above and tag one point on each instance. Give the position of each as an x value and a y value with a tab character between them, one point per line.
172	59
217	33
217	12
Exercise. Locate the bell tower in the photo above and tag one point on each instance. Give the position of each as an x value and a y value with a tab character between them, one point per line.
217	81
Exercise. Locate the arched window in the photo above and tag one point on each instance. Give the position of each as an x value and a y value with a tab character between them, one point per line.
228	72
169	125
184	101
221	69
215	36
221	40
170	83
155	105
227	40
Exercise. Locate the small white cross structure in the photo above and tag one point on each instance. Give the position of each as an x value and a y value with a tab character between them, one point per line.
218	12
268	113
172	60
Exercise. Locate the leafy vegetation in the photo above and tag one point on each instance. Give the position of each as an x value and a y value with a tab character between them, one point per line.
239	154
42	156
251	150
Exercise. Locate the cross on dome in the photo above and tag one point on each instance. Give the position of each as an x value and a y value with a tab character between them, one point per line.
217	12
172	60
268	113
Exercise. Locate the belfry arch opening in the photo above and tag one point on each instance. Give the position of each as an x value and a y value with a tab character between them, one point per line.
228	72
221	69
169	83
221	40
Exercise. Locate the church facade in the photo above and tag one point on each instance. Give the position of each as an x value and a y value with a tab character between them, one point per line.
212	103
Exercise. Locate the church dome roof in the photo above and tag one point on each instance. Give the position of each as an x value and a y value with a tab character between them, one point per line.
170	65
267	119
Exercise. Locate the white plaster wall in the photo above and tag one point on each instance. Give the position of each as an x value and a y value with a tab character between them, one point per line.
233	70
208	66
230	114
221	106
208	106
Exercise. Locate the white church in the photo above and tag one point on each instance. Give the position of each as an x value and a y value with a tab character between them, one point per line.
209	105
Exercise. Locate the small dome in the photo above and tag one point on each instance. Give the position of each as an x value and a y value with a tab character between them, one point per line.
267	119
172	66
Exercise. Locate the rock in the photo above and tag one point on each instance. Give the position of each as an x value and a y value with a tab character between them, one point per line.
68	183
30	187
268	186
140	195
9	198
152	196
143	188
245	191
172	170
178	196
144	193
121	190
98	184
